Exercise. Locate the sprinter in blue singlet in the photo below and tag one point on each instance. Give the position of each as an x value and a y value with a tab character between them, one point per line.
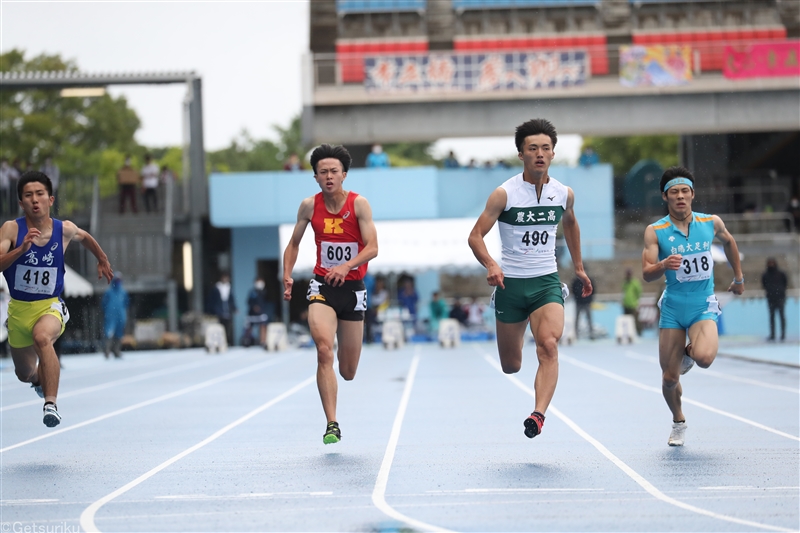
679	247
32	260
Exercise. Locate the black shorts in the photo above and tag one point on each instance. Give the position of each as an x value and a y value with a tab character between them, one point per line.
348	300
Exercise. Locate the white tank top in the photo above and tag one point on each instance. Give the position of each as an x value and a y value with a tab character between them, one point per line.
528	227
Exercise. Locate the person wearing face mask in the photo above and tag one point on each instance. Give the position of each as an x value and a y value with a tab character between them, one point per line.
222	305
257	314
127	179
774	282
115	312
378	158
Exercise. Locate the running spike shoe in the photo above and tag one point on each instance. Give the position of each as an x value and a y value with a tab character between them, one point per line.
333	434
534	424
51	417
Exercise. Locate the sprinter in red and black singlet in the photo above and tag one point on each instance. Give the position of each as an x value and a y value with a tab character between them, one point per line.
346	240
32	260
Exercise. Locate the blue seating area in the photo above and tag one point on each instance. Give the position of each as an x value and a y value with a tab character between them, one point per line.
379	6
501	4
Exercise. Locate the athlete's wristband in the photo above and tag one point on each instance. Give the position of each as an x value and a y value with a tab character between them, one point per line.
738	282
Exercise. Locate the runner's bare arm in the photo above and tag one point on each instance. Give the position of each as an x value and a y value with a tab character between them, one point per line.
304	214
8	237
74	233
732	253
652	268
494	208
369	235
572	234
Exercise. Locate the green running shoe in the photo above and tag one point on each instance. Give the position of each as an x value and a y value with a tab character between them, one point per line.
333	434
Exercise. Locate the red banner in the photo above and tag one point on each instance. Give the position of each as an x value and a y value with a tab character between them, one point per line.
762	60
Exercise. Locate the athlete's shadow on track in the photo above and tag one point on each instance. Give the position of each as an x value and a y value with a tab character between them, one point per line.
46	471
536	473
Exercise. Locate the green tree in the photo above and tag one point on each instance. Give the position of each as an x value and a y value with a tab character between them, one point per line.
38	123
410	154
624	152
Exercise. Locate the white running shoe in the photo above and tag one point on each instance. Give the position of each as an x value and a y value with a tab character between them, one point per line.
51	417
686	364
38	389
676	436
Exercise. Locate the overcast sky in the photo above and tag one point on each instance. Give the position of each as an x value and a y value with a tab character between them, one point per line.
248	54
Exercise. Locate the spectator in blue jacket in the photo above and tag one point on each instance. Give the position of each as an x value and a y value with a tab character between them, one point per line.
115	304
377	158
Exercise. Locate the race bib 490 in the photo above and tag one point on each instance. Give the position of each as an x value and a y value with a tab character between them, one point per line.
35	280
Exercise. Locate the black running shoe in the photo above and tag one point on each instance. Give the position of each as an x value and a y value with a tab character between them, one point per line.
534	424
333	434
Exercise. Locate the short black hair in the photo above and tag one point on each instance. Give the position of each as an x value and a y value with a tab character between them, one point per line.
535	126
34	176
326	151
675	172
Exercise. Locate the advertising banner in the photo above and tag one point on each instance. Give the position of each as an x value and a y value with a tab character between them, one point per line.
483	72
763	60
655	65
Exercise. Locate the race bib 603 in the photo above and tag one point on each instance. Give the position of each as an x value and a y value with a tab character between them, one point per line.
336	253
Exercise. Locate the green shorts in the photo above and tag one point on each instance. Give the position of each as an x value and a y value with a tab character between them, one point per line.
523	296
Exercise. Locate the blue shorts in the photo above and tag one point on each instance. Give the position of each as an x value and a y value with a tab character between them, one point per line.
680	310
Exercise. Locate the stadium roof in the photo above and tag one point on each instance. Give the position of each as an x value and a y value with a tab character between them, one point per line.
62	79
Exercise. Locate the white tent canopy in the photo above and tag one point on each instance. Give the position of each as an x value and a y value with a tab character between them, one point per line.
410	246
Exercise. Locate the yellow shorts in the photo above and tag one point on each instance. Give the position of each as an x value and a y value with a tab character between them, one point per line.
22	316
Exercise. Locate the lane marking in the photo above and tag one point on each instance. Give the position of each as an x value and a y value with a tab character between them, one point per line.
743	487
88	514
145	403
630	472
245	496
27	502
379	493
642	386
721	375
109	384
509	491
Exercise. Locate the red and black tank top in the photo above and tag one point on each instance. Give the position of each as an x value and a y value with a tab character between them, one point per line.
338	236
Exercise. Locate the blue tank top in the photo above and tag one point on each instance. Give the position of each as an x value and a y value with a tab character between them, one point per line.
38	274
696	273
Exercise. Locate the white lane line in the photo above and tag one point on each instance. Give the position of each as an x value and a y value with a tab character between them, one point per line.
88	514
630	472
27	502
744	487
510	491
721	375
379	493
245	496
109	384
684	399
145	403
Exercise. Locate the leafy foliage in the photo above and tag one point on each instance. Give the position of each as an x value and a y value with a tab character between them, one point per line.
624	152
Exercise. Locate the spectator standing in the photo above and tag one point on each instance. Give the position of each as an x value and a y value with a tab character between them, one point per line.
6	198
115	304
588	157
794	210
150	176
293	163
475	315
377	158
458	312
408	298
774	282
166	174
258	311
54	173
450	161
127	179
438	311
631	292
222	305
583	305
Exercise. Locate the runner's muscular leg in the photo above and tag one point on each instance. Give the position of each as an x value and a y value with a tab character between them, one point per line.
322	322
671	343
26	364
547	325
350	334
704	337
510	338
45	333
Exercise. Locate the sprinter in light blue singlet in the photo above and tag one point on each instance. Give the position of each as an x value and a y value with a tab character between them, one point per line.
32	260
679	247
